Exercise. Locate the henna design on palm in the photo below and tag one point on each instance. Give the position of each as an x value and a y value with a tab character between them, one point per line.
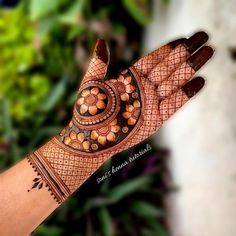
113	114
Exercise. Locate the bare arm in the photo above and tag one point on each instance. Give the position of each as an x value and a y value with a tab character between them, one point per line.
22	211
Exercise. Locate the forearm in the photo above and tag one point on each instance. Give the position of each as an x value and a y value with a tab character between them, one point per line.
36	186
22	211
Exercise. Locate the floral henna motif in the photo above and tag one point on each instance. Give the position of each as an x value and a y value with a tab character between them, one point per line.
77	141
132	112
91	101
106	133
123	85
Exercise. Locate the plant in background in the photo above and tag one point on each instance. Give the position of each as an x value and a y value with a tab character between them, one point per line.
45	47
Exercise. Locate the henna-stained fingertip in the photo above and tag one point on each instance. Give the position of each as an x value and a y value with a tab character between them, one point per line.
193	86
196	41
101	50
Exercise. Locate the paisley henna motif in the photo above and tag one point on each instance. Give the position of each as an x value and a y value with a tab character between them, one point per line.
112	115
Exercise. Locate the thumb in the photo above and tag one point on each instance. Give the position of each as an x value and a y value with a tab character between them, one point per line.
99	62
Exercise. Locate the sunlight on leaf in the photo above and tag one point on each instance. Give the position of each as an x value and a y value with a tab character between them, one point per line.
145	209
105	221
124	189
40	8
73	14
138	9
55	95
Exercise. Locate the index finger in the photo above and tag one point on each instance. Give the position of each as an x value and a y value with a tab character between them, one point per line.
145	64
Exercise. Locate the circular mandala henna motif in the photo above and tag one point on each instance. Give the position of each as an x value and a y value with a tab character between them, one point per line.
96	102
105	113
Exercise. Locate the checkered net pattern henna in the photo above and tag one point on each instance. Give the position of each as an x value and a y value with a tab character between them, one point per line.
175	81
68	169
72	169
112	115
169	106
97	69
168	65
148	62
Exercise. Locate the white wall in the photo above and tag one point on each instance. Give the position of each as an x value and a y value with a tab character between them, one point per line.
202	136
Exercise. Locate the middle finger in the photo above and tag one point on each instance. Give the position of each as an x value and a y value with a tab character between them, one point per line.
176	57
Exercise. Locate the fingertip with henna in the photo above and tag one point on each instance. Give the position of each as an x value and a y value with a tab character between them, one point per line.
101	50
193	86
199	58
196	41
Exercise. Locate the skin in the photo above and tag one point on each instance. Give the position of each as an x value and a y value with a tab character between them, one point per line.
17	216
23	208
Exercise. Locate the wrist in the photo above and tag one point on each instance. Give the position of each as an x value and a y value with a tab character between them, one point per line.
61	169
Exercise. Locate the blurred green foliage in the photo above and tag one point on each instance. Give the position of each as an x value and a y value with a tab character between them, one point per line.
43	46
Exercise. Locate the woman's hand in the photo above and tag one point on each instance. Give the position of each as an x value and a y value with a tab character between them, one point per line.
113	114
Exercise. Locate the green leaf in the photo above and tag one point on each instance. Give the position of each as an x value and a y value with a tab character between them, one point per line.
139	10
6	121
105	221
40	8
118	28
9	132
94	203
156	227
71	16
166	2
75	31
124	189
125	220
144	209
55	95
44	132
105	184
71	99
45	26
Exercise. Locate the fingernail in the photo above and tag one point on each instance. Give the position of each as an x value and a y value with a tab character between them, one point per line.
101	50
193	86
196	41
198	59
177	42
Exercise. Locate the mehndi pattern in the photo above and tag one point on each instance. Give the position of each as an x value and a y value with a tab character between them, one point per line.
113	114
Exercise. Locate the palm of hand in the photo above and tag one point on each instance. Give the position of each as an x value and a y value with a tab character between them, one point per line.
111	115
